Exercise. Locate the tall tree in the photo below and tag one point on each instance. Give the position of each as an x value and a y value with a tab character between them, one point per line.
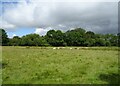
89	38
90	34
15	41
55	38
33	40
118	35
3	37
75	37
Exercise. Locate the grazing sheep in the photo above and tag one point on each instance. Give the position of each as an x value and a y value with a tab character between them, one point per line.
78	48
86	47
54	48
70	48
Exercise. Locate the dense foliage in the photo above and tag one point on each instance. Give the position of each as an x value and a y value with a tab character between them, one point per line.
3	37
76	37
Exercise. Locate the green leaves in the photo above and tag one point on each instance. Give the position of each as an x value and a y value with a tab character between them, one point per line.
33	40
76	37
3	37
55	38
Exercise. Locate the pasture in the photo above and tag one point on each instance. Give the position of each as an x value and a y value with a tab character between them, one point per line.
69	65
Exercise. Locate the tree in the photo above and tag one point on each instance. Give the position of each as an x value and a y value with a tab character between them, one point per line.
40	41
114	40
75	37
15	41
99	42
3	37
118	35
55	38
33	40
89	42
111	39
89	38
90	34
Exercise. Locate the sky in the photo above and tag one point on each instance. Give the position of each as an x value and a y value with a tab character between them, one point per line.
21	17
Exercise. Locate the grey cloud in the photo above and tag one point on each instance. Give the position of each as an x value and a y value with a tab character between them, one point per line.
100	17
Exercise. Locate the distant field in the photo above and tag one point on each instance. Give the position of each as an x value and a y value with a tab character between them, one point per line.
69	65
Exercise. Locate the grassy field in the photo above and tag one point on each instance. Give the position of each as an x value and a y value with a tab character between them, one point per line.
36	65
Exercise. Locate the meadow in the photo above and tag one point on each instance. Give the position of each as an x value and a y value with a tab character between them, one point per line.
66	65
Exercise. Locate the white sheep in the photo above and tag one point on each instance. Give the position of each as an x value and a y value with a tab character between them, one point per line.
54	48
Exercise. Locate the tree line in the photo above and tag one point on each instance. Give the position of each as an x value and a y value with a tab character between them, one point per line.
76	37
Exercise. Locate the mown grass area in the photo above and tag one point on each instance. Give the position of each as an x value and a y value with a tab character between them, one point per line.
75	65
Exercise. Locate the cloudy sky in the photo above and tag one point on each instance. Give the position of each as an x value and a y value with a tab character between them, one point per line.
20	17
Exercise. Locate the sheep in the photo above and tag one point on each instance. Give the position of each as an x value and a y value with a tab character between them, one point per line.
54	48
70	48
86	47
62	47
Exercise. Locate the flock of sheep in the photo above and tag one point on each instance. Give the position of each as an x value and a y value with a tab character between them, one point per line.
57	48
63	48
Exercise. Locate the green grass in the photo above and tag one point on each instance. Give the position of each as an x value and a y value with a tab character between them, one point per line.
36	65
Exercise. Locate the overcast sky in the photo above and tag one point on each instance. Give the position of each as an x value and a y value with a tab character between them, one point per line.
20	17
